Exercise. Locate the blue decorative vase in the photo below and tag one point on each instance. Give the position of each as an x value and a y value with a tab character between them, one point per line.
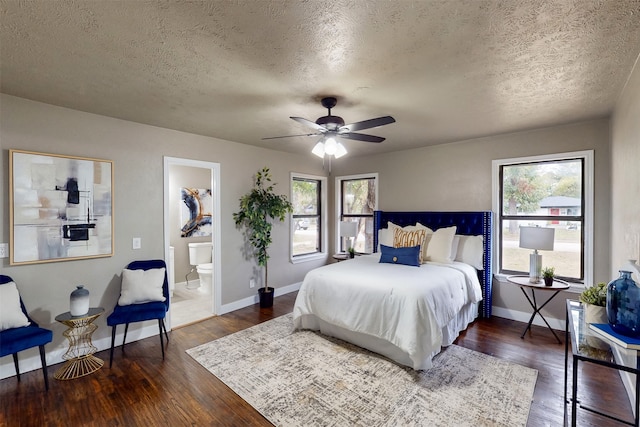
623	305
79	301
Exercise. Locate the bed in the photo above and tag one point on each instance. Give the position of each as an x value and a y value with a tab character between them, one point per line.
406	313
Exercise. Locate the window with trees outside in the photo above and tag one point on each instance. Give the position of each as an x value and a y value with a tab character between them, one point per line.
307	197
548	191
356	200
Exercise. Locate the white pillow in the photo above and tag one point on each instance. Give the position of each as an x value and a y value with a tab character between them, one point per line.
418	226
454	247
439	245
385	237
471	251
11	315
140	286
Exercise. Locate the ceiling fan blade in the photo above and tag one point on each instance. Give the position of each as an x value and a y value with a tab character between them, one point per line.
368	124
309	123
292	136
362	137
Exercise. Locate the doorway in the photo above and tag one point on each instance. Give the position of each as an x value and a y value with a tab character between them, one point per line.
193	296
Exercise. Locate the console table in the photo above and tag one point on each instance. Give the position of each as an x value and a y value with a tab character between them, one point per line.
588	346
80	360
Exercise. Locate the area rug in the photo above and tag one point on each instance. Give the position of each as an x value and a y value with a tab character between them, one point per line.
302	378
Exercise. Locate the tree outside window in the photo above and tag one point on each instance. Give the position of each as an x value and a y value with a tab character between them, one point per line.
306	218
358	201
546	194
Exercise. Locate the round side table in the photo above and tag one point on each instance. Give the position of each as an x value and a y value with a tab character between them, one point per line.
524	283
80	360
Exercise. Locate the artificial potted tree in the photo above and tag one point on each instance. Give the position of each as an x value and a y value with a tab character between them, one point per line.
257	210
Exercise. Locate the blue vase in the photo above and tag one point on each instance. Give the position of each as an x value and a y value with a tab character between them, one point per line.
623	305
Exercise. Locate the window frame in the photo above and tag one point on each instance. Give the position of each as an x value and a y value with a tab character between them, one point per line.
338	202
322	219
587	157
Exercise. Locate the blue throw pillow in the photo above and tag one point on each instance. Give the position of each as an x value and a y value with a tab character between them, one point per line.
405	256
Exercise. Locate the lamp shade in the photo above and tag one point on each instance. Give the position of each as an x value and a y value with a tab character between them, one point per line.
329	146
348	229
318	150
538	238
340	150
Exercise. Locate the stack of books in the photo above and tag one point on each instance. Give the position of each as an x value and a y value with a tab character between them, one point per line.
605	330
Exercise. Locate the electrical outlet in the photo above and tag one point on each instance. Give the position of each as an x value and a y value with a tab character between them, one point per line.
252	283
137	243
4	250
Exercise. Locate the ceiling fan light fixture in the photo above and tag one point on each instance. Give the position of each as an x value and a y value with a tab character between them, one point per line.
340	151
318	150
330	146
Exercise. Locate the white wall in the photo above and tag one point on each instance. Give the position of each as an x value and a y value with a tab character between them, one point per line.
137	152
625	176
625	193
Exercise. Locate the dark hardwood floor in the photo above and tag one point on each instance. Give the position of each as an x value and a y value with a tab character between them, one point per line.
143	390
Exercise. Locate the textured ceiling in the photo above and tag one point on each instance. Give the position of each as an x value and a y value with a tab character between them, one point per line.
236	70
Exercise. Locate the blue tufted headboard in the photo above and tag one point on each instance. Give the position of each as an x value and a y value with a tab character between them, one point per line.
467	223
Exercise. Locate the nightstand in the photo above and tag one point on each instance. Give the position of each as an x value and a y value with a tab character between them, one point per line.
340	256
523	283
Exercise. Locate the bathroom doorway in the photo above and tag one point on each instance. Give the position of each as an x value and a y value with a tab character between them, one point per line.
191	216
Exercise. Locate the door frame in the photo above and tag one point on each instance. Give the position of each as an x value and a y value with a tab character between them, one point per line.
216	292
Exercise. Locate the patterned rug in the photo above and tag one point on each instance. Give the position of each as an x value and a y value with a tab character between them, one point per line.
306	379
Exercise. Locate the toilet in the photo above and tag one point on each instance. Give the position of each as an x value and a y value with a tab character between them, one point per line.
200	257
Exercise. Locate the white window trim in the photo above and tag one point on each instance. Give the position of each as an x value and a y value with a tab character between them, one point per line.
338	198
588	156
323	214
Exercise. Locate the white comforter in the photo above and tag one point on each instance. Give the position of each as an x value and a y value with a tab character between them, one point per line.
403	305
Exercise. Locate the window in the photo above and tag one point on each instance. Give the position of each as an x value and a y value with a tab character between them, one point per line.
307	221
554	191
356	199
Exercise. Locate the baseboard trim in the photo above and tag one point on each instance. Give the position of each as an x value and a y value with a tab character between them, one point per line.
521	316
246	302
30	359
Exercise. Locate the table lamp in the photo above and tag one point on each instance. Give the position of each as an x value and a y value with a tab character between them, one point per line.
536	238
348	229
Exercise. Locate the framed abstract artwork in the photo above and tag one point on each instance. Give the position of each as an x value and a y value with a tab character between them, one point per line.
195	212
60	207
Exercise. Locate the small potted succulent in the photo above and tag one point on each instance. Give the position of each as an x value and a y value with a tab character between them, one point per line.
352	252
594	299
547	275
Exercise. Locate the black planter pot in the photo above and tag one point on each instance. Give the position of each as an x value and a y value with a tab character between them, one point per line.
266	297
548	281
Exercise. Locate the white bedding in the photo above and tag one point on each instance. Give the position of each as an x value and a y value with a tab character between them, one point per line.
405	306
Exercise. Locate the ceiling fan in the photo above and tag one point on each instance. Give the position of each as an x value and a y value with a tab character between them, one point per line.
331	127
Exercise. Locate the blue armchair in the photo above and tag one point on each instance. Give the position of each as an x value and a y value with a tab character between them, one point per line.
16	339
138	312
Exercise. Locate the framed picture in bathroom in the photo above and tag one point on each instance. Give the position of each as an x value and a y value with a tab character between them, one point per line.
60	207
196	205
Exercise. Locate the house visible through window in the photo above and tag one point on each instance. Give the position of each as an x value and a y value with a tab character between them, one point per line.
307	198
546	191
357	198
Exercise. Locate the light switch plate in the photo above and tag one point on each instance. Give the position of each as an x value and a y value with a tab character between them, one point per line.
137	243
4	250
